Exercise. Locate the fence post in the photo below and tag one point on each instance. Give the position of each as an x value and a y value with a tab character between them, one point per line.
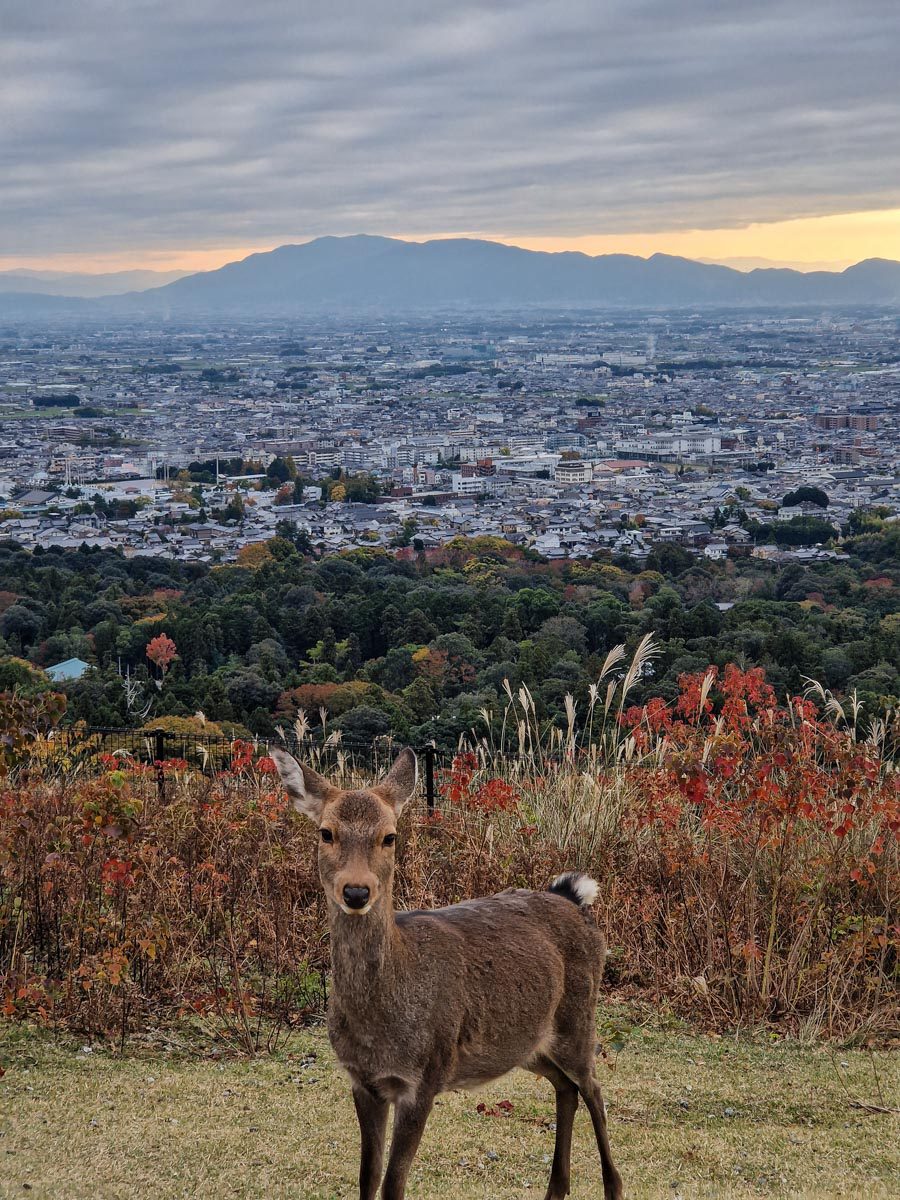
159	752
429	779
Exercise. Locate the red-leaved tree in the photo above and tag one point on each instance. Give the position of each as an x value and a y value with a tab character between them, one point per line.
162	652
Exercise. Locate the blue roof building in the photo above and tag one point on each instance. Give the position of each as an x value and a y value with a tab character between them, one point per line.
64	672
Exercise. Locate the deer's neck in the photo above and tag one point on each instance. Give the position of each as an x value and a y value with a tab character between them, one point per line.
365	952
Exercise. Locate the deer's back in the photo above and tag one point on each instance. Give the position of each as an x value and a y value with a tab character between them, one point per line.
495	931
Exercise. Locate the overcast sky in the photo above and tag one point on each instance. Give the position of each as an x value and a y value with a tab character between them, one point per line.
131	126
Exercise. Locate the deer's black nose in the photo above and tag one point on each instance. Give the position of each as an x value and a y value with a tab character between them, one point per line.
356	897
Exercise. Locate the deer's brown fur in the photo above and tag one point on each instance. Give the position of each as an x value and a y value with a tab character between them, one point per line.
425	1002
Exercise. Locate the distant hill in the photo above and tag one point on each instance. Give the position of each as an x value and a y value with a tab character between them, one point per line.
74	283
362	272
26	304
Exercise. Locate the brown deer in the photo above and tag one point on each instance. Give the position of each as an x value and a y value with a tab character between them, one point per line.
425	1002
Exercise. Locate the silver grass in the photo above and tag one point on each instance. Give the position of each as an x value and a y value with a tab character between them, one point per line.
705	689
570	720
642	655
612	660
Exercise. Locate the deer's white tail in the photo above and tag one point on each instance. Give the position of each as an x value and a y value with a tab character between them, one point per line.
577	887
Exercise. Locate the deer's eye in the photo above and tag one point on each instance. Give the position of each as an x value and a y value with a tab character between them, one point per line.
327	836
389	839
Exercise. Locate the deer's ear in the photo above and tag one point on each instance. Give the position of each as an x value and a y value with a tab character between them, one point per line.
306	788
400	782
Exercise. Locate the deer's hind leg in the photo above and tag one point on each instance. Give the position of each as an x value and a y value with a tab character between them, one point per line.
612	1180
578	1067
566	1104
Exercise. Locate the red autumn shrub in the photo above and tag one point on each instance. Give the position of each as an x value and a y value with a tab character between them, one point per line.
495	796
456	783
767	841
746	852
118	906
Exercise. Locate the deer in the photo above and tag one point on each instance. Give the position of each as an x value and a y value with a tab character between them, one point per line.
428	1001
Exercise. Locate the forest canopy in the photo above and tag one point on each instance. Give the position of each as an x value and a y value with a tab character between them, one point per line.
421	644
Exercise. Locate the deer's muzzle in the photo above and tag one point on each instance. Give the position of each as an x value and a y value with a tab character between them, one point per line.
356	898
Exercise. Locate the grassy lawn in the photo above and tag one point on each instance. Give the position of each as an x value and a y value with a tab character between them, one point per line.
690	1117
36	414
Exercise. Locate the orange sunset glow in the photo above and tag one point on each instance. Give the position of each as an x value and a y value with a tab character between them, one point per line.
806	243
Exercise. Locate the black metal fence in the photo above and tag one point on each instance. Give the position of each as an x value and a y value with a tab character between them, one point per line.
162	748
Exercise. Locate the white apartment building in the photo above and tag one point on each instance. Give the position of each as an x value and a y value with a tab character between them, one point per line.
687	444
354	458
323	459
573	470
472	485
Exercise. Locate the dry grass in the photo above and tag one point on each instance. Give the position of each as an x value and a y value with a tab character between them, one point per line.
691	1116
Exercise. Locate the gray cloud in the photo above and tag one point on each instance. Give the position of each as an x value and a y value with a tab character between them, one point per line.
156	124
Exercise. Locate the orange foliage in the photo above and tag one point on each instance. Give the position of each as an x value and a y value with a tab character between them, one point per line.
336	698
162	651
254	555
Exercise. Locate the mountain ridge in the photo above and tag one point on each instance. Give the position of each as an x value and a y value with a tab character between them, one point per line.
83	284
364	271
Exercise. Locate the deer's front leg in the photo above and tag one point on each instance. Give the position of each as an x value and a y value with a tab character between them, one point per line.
409	1125
372	1113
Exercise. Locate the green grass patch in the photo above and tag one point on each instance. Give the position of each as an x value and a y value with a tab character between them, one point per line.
690	1116
36	414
